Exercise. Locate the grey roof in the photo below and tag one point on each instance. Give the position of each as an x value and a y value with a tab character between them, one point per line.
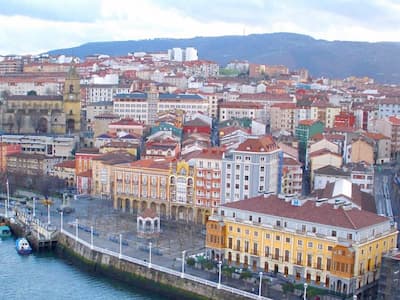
101	103
331	170
162	96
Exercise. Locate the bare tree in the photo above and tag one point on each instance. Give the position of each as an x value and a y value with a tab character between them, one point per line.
10	123
19	120
35	120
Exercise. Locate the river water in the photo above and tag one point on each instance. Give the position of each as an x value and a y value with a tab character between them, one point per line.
44	276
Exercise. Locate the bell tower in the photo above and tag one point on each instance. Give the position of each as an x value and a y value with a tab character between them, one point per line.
72	102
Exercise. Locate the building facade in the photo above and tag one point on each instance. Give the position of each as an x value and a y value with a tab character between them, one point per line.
338	248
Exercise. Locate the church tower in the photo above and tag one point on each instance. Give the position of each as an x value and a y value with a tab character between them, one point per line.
72	102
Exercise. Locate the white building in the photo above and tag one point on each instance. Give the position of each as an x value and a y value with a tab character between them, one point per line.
191	54
145	106
50	146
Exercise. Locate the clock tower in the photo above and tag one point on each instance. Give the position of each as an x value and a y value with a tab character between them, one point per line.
72	102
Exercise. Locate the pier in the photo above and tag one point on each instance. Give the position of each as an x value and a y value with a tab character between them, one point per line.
41	236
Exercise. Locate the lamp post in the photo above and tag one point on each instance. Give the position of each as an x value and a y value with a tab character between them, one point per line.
120	245
34	207
305	291
62	220
150	244
48	214
8	198
183	264
76	229
259	287
91	237
219	274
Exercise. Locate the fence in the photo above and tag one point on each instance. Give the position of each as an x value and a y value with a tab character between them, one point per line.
164	269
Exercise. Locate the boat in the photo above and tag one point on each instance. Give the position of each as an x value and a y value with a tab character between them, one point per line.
5	231
22	246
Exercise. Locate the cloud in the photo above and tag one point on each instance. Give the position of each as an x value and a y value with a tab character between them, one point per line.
36	26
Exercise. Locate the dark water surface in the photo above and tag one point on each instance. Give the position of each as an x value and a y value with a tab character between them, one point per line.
44	276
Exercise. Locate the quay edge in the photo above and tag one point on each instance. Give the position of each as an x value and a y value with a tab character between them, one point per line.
167	285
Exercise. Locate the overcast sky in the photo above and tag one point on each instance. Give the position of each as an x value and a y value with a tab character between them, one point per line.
35	26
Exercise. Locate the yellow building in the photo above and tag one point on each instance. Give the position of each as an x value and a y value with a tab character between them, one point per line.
43	114
102	171
362	151
327	245
142	184
72	102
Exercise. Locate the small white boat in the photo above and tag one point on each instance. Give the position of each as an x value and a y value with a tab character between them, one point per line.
22	246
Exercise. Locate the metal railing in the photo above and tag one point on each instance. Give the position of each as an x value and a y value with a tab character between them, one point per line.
164	269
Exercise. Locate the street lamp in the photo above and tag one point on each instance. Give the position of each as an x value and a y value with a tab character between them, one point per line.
48	214
219	274
150	244
259	288
305	291
76	229
8	198
62	220
91	237
183	264
34	207
120	245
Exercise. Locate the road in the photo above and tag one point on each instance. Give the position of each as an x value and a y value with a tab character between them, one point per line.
387	193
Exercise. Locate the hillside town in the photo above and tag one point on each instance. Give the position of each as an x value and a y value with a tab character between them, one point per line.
283	173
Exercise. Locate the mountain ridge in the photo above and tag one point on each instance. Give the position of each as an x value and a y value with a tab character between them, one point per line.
335	59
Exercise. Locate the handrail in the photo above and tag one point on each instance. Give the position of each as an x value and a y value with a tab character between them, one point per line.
164	269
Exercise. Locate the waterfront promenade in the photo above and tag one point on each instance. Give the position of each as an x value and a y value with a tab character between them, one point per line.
112	232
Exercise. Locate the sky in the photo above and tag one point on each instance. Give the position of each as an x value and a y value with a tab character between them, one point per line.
36	26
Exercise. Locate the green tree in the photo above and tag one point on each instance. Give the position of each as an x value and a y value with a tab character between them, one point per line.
31	93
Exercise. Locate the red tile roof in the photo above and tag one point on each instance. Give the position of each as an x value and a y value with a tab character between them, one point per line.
288	161
394	120
148	213
66	164
241	105
290	105
211	153
262	144
376	136
307	122
126	122
323	152
152	163
324	214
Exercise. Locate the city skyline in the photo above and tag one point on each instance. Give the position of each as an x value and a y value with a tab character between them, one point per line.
32	28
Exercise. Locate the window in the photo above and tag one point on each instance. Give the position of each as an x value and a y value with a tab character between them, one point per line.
300	243
278	223
255	233
267	236
230	228
333	232
287	256
238	230
303	228
310	244
266	251
259	219
320	247
349	236
287	240
309	260
329	248
250	218
278	237
247	231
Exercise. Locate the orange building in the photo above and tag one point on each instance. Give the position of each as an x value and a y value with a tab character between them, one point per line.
5	150
208	165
